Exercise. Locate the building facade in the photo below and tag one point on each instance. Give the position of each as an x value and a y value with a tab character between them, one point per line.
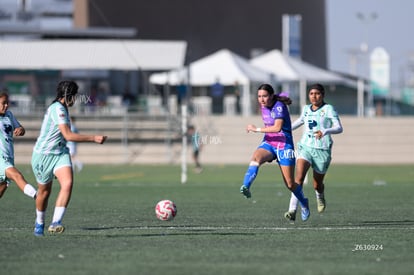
244	27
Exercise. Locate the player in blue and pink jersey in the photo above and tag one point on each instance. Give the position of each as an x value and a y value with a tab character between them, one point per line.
320	121
277	144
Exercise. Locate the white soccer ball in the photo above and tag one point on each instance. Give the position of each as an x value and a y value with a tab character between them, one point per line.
165	210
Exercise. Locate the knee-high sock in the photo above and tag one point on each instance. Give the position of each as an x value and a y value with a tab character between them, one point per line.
251	173
298	192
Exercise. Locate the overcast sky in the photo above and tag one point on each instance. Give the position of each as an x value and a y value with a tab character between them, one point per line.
384	23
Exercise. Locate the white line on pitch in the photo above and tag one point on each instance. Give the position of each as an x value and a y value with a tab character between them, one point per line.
268	228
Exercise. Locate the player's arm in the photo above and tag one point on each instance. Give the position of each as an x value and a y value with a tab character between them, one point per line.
297	123
71	136
336	124
300	121
275	128
335	129
18	128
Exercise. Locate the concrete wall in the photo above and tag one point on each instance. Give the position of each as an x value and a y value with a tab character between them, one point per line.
370	140
385	140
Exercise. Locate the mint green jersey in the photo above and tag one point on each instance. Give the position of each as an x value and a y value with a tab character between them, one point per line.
7	125
324	119
51	140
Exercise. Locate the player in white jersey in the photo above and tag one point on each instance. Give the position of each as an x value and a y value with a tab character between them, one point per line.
51	157
320	121
10	126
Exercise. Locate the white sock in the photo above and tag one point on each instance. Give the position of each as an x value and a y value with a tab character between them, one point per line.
40	216
58	214
29	190
319	195
293	205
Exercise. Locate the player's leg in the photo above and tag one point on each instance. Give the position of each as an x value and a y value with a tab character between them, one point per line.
3	188
196	154
42	167
42	198
296	189
65	177
321	165
15	175
302	167
319	187
259	157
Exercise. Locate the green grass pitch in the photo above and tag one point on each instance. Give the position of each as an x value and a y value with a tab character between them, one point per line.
111	227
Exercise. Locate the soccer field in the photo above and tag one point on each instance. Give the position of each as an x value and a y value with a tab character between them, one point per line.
111	228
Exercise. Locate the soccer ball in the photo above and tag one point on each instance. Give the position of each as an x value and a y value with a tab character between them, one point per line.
165	210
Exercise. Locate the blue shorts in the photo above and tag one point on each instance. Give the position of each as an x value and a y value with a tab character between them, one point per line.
285	157
45	166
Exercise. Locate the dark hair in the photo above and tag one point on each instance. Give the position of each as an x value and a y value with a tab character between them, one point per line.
267	87
3	93
66	88
318	87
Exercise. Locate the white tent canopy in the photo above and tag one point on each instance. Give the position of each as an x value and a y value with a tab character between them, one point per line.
92	54
224	66
287	69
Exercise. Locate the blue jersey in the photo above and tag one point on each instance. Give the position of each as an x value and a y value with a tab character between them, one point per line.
280	139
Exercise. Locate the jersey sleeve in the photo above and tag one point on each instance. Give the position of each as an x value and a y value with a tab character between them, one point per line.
300	121
13	120
336	127
59	115
280	110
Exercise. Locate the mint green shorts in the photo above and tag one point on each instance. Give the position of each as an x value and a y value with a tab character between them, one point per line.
319	159
5	163
45	166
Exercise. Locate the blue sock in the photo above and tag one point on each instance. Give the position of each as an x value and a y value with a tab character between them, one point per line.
298	192
250	175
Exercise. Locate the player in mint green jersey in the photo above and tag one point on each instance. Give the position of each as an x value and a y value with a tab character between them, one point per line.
320	121
51	157
10	126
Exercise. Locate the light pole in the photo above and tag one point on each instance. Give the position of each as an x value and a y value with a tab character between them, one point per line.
366	19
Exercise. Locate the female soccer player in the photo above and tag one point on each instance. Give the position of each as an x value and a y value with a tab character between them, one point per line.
277	144
51	157
315	147
10	126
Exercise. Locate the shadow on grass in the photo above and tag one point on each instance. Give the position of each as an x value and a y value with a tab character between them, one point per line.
167	230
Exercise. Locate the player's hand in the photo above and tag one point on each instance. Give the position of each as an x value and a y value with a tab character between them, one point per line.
318	134
100	139
251	128
19	131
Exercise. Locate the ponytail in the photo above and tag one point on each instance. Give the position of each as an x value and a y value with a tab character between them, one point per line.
284	99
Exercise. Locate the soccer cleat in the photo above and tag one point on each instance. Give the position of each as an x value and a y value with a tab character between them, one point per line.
305	212
321	204
291	215
39	229
245	191
56	227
